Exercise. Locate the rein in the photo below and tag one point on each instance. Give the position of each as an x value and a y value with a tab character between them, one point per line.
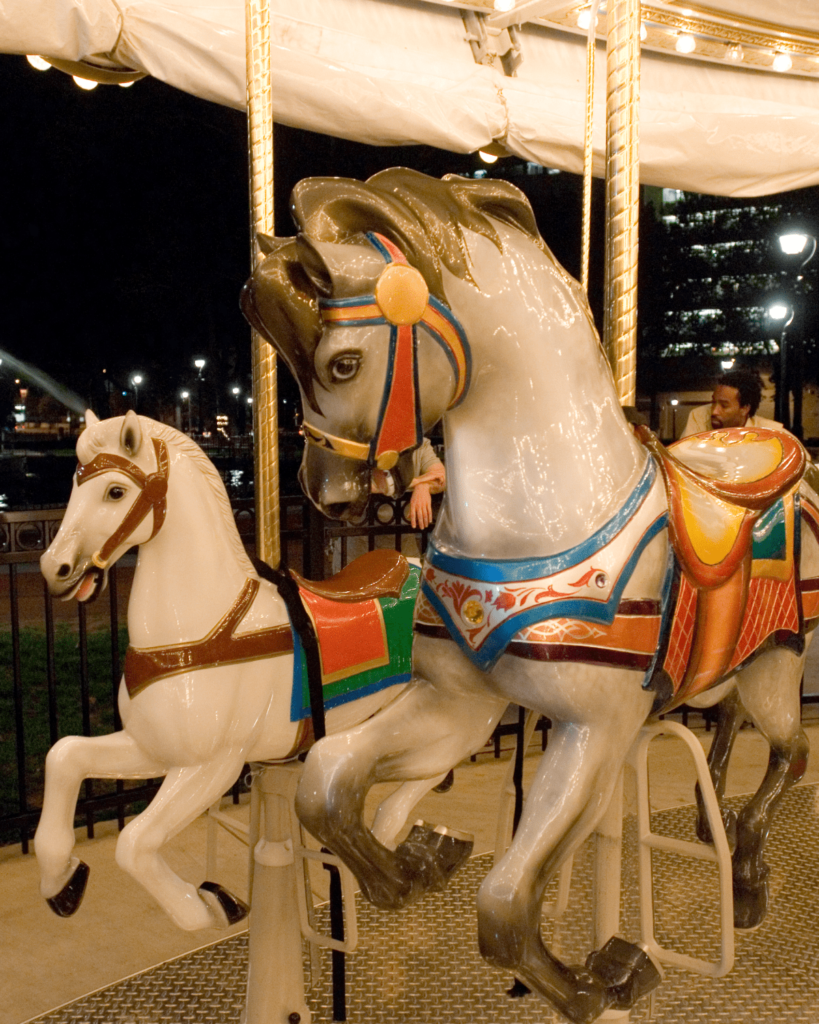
153	488
401	299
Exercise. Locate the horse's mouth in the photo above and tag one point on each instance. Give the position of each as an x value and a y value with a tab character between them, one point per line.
87	587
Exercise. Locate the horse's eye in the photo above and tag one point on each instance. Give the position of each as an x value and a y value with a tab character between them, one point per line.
345	367
115	493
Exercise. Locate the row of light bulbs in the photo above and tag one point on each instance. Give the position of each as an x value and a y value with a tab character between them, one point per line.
687	43
83	83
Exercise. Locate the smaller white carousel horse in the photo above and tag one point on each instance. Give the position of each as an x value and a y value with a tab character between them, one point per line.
211	680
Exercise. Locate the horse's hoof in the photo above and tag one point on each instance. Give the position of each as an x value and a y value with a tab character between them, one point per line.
69	898
225	907
750	905
446	782
626	970
431	854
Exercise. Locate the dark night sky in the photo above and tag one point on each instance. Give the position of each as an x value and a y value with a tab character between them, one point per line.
125	227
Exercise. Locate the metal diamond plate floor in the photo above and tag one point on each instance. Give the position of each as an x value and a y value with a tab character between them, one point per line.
422	966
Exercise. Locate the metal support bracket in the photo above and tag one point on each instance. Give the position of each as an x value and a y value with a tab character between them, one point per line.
492	46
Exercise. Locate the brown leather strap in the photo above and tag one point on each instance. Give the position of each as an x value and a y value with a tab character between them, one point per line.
152	494
144	666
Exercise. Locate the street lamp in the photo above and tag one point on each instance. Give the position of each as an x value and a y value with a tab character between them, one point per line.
136	380
200	366
186	398
800	247
781	313
235	391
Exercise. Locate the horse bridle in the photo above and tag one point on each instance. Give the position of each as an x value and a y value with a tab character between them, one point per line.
153	488
401	299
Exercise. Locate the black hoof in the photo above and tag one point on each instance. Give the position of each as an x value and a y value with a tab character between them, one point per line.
446	782
750	905
218	898
626	970
69	898
431	854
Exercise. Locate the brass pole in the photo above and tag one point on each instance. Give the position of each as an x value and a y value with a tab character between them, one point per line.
622	193
588	153
265	408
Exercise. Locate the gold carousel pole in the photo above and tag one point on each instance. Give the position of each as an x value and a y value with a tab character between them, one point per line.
622	193
588	152
265	410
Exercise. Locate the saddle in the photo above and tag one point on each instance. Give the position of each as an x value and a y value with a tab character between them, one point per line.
379	573
719	485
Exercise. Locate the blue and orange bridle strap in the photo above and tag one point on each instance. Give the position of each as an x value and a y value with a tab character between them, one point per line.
402	300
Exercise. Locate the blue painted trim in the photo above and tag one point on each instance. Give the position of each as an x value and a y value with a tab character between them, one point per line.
383	251
447	314
356	300
296	708
517	570
573	607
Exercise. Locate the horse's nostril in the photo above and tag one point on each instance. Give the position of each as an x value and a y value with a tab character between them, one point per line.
64	570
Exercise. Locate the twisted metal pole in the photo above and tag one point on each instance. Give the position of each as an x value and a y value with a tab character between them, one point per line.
588	151
265	407
622	193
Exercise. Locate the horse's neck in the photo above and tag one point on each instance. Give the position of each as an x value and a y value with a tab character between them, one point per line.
539	455
188	576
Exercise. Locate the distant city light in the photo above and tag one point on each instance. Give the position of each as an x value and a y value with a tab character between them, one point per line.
686	43
726	364
38	62
778	311
675	401
137	379
185	395
199	363
85	83
235	391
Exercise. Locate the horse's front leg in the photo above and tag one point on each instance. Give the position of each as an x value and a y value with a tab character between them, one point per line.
446	713
68	763
769	688
184	795
568	797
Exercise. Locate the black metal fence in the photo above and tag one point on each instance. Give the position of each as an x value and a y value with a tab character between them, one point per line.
60	664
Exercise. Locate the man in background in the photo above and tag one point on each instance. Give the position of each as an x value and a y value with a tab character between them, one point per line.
734	403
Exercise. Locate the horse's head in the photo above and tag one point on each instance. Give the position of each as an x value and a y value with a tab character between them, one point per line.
355	304
118	500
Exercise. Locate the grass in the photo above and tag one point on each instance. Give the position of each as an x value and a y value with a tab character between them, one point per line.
36	706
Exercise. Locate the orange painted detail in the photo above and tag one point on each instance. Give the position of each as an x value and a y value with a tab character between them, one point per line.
772	605
637	634
810	601
682	633
398	430
351	635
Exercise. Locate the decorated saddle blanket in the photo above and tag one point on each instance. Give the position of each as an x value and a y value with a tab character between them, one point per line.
564	607
364	646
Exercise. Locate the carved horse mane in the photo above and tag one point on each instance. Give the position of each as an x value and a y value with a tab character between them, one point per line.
404	206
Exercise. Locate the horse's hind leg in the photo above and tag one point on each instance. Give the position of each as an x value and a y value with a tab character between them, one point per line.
769	688
68	763
730	716
429	728
183	796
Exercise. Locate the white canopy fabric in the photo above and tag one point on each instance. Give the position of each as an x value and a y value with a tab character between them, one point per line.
395	72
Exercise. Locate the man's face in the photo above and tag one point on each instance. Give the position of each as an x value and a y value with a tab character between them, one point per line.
725	408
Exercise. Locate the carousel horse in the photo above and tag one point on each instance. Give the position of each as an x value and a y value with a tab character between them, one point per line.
211	678
576	568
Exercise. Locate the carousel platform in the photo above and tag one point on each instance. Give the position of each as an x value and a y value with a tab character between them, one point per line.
422	966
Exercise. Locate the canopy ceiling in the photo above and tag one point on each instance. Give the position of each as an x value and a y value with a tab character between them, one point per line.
394	72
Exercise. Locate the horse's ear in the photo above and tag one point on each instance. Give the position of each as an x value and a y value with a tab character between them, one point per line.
130	437
340	269
90	419
267	243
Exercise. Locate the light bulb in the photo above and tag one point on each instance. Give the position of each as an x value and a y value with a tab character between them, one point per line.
686	43
84	83
782	62
38	62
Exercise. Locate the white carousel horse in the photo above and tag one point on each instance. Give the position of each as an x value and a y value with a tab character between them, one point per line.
551	579
209	672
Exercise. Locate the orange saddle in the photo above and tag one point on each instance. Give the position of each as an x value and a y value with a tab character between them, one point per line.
719	484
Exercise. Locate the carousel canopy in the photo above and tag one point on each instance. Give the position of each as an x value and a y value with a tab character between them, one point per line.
737	114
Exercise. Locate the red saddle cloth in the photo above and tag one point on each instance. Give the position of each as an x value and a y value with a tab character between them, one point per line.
733	521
